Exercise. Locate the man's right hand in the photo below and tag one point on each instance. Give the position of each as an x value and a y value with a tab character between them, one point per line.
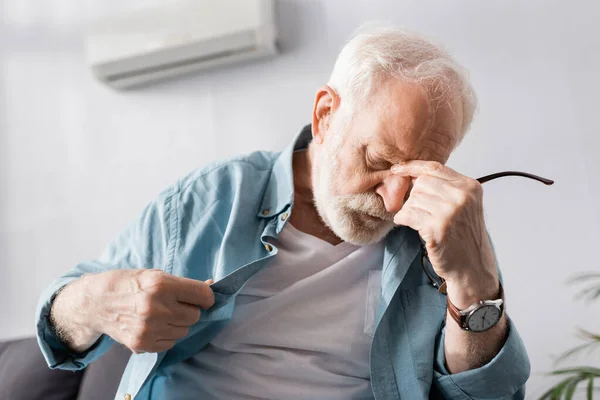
146	310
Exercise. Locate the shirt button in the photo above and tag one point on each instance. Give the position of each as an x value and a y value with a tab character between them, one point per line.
268	247
127	396
266	212
284	216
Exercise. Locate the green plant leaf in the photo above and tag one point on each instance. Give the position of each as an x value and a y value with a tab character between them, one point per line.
566	388
585	277
588	335
570	388
560	390
546	394
556	391
589	294
593	343
578	370
576	350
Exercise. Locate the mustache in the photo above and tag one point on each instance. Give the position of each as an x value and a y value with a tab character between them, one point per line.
367	203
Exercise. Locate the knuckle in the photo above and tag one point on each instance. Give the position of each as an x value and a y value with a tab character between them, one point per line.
435	166
184	332
443	233
137	345
415	200
473	187
144	307
209	297
153	281
191	316
462	198
429	238
195	315
414	196
407	210
448	209
420	180
477	189
144	333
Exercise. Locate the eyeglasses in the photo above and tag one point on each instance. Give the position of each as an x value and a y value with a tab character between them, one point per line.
488	178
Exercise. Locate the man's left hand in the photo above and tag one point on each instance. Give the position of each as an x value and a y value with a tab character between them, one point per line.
446	208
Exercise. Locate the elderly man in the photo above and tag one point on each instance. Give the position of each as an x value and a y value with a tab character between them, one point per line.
313	273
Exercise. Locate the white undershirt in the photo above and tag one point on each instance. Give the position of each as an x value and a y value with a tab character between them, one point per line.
301	327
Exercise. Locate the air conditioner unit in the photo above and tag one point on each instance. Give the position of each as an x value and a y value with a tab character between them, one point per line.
177	38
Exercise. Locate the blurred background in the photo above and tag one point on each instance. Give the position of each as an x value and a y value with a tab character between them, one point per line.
79	160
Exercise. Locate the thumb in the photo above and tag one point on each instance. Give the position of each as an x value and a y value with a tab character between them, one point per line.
209	281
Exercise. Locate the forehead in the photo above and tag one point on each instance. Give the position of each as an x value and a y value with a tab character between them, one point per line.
402	124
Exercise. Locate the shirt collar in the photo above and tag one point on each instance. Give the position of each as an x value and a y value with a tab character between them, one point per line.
279	194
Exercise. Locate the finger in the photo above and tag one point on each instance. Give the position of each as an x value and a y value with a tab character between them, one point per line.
192	291
184	315
434	205
416	168
436	186
162	345
413	217
171	332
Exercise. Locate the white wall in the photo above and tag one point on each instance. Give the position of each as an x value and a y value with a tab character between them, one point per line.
78	160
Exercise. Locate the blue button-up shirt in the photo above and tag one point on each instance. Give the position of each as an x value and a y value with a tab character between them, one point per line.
214	223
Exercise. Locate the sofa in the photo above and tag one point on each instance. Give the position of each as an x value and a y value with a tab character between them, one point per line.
24	374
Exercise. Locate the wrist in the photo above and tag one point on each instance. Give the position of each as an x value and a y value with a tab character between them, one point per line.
70	316
467	291
88	304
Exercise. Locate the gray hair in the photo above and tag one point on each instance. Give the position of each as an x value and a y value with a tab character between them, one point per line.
376	53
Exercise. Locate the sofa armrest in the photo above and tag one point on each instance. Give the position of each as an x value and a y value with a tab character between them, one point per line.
25	375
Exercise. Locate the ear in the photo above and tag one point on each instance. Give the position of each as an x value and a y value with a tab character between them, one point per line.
327	102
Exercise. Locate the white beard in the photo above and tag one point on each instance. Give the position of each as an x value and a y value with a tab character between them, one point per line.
347	215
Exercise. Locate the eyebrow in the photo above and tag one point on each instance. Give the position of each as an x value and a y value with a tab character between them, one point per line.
388	152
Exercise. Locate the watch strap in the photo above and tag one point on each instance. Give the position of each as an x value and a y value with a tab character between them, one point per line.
455	312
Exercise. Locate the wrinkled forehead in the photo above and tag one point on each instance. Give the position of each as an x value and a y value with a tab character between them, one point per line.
410	121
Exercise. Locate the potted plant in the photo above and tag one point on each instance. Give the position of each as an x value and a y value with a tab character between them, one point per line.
584	376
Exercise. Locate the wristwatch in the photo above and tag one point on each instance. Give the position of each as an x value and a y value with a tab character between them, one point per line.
480	316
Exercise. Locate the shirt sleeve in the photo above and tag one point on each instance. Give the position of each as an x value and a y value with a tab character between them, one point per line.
148	242
502	378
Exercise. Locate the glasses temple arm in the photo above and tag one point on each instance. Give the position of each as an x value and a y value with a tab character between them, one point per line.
488	178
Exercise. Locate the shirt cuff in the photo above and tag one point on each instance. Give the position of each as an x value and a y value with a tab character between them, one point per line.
503	377
56	353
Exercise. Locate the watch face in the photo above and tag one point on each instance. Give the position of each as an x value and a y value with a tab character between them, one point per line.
483	318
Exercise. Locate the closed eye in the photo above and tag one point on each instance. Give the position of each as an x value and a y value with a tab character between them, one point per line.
382	165
378	163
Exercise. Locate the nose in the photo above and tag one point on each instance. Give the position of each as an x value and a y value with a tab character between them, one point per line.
393	190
